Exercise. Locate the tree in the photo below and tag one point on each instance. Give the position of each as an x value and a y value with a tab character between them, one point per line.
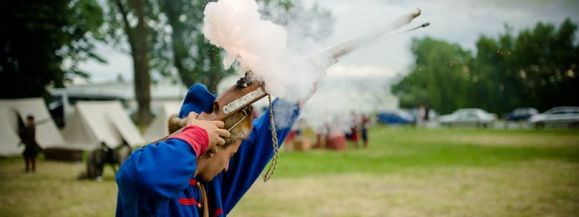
439	77
38	36
534	68
134	18
546	60
194	59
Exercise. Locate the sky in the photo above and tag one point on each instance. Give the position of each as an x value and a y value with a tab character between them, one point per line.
456	21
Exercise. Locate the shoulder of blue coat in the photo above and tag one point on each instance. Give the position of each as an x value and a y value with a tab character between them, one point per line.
198	99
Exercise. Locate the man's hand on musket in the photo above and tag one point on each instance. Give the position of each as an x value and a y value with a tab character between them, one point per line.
214	129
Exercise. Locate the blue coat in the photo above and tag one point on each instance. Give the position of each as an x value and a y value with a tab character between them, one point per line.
157	180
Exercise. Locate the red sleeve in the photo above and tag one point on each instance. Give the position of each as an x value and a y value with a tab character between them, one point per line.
196	137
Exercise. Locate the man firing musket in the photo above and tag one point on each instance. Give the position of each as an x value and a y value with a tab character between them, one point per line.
214	154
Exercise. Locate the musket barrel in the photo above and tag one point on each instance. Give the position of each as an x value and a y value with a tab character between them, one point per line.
347	46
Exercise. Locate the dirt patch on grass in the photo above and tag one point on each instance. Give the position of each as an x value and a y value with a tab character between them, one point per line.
517	140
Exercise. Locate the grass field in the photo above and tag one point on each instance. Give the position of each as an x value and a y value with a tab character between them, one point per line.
404	172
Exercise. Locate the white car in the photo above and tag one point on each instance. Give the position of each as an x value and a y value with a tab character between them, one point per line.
468	117
566	116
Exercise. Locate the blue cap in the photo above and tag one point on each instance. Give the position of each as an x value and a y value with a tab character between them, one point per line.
198	99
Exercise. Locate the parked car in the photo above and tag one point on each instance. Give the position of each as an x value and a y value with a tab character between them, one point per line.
566	116
395	117
521	114
468	117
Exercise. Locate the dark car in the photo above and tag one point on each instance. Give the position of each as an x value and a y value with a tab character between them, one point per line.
521	114
395	117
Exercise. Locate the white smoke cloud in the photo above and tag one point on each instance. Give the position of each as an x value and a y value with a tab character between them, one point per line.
259	46
290	72
236	26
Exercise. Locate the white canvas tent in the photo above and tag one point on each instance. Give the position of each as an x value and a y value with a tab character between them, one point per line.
94	122
47	134
158	128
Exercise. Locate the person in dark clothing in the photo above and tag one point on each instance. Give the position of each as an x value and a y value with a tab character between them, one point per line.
31	147
364	129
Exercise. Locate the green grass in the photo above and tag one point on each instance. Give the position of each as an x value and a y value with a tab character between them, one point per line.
403	172
396	149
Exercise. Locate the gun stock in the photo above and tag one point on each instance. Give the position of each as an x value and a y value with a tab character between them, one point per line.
233	107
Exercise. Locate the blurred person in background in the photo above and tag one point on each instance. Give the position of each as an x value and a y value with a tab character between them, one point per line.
364	123
27	135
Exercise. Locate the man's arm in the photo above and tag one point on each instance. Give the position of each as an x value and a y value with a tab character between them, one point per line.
162	169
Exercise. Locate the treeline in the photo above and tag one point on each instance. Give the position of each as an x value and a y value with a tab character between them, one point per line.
535	68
